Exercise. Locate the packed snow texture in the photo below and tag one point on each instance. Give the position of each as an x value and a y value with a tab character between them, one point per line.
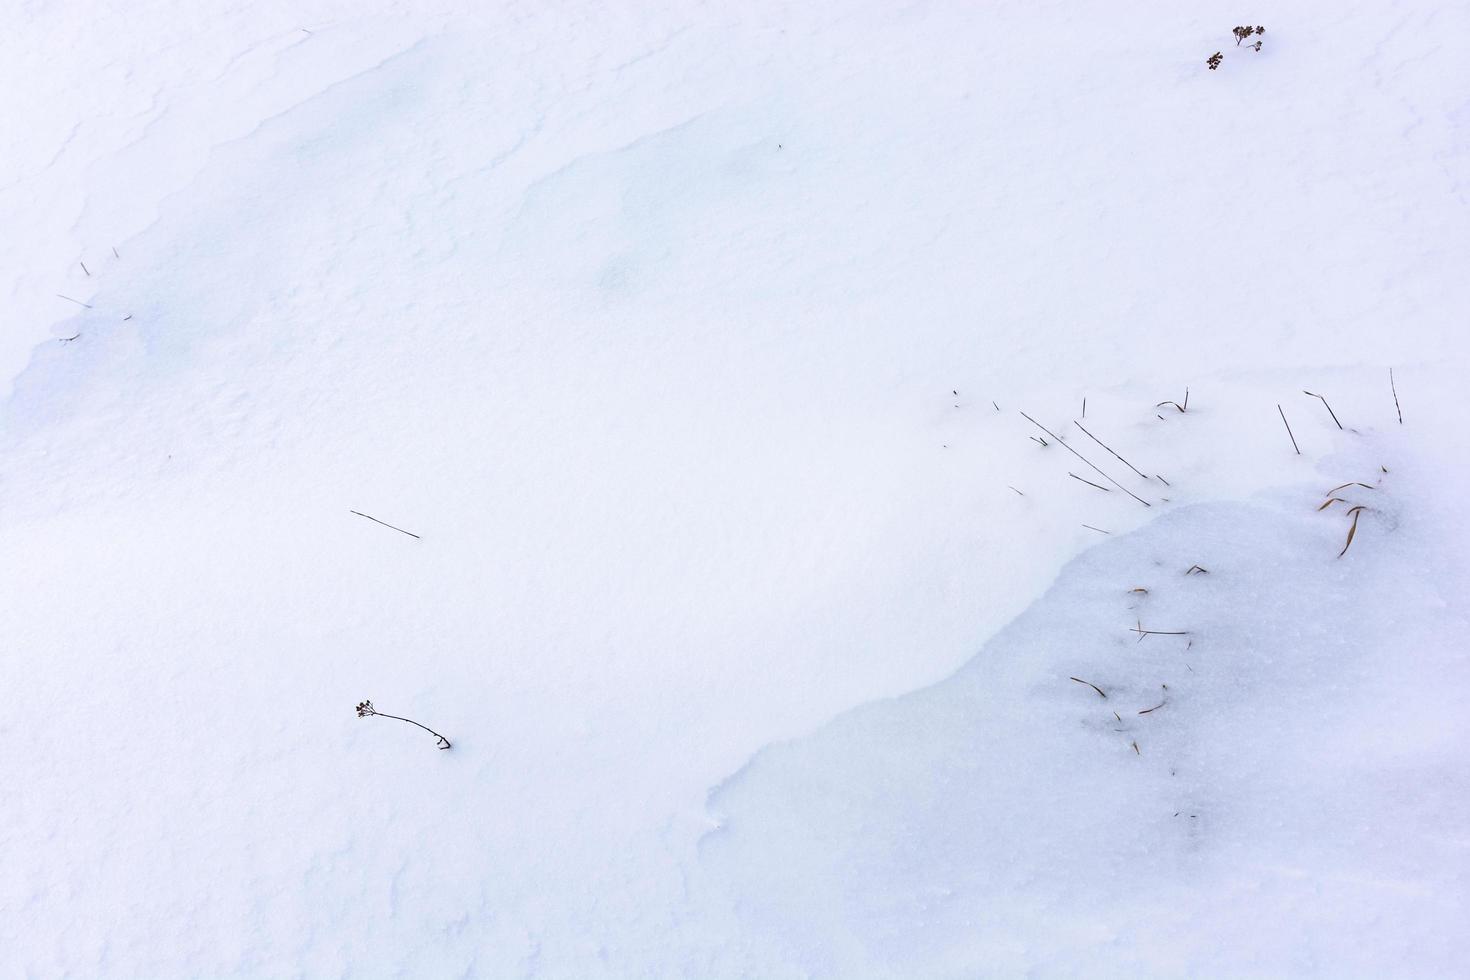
691	342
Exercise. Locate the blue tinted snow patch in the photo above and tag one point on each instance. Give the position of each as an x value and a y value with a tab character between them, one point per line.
214	259
1012	818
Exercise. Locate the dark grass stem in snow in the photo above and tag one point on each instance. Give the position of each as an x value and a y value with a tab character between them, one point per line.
1395	390
1324	402
1108	448
1143	632
1182	408
1089	684
384	523
1085	460
1288	430
366	710
1088	482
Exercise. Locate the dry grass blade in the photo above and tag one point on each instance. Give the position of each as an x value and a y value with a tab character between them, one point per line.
1395	390
1181	407
1154	708
1089	684
1143	632
1330	501
1356	512
1346	485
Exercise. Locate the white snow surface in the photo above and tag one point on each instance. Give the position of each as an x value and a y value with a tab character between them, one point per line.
691	342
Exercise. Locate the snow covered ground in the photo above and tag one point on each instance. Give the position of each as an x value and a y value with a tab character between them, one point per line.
692	342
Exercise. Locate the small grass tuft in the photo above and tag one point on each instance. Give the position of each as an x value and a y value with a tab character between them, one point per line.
1182	408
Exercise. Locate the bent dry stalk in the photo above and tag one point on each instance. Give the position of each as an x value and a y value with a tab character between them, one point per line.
365	709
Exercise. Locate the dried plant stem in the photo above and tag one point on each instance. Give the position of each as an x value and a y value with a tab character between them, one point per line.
1085	460
1143	632
384	523
1088	482
1089	684
366	710
1182	408
1324	402
1288	431
1108	448
426	728
1395	390
1356	512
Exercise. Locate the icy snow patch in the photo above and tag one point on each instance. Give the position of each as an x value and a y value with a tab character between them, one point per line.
1274	790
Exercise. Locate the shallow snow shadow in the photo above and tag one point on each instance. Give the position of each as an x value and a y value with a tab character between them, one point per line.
1214	792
